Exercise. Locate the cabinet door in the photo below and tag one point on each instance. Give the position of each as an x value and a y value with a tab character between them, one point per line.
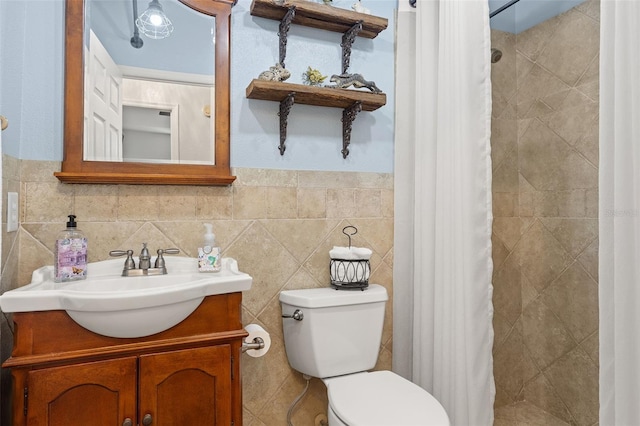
186	387
101	393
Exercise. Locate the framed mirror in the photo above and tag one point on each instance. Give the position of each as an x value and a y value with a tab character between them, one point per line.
155	138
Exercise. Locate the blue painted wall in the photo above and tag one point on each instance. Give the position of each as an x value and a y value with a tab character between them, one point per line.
31	81
527	13
31	78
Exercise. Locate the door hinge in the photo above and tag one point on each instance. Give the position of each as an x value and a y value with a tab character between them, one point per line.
25	401
232	363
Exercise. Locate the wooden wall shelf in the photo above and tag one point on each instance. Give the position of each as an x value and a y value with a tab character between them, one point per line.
320	16
307	13
313	95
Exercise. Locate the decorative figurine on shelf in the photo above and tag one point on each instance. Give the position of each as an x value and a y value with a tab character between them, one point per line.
313	77
327	2
275	73
356	80
358	7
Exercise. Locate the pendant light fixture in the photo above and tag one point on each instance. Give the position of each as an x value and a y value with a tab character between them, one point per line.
153	22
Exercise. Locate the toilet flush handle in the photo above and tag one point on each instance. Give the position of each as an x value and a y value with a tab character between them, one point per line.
297	315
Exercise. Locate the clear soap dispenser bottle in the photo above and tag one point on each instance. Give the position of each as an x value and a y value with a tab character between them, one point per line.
209	254
70	254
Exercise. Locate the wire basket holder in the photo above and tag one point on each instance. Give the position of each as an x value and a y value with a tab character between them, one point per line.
348	274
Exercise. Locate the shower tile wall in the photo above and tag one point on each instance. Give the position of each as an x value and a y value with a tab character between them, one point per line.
278	224
545	234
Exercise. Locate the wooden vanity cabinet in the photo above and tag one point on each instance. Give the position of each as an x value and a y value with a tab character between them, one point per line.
65	375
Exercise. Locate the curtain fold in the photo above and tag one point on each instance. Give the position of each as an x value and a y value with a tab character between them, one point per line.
619	211
443	332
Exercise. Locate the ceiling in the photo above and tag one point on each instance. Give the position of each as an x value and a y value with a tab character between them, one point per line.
527	13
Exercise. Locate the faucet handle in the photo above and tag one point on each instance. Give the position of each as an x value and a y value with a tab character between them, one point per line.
160	260
128	263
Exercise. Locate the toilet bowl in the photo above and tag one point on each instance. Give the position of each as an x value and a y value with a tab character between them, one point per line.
335	335
381	398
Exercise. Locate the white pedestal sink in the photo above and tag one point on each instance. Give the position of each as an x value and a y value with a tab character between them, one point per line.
111	305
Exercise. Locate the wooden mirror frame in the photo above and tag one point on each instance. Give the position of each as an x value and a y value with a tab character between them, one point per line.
76	170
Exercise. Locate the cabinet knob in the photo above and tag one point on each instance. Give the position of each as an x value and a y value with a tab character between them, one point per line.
147	420
127	422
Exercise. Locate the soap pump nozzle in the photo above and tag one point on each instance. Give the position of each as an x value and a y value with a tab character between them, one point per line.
72	221
209	237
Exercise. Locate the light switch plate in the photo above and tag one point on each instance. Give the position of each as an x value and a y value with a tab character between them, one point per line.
12	211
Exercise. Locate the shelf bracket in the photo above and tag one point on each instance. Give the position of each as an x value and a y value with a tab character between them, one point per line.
285	108
348	115
347	40
285	24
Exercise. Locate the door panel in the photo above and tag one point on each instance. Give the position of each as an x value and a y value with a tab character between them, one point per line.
187	387
101	393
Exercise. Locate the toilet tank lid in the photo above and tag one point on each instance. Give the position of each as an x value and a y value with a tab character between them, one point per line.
327	297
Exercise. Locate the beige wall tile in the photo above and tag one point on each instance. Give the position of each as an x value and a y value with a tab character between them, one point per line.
311	179
214	203
534	40
38	171
386	200
590	8
575	235
506	204
572	47
300	237
368	203
545	336
266	177
312	203
504	139
575	379
541	256
282	203
96	203
573	297
507	297
509	358
542	394
138	202
341	203
177	203
249	202
589	259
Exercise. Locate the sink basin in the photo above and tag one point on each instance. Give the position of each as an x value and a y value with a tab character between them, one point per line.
111	305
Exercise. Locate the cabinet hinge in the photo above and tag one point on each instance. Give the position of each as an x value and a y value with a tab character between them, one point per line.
25	402
232	363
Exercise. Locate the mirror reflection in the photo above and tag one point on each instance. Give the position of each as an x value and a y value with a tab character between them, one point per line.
149	88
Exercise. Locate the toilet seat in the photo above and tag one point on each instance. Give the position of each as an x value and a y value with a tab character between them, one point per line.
382	398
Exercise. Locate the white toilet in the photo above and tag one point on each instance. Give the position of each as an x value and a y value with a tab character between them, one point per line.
335	335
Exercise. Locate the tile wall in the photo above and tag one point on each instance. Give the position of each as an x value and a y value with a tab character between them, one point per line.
279	226
545	171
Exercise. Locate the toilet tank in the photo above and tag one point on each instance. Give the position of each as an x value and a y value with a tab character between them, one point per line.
340	332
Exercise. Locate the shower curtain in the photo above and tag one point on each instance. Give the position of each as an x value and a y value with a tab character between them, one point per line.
619	213
443	335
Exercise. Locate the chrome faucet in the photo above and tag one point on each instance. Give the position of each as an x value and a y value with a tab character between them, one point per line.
144	263
145	259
